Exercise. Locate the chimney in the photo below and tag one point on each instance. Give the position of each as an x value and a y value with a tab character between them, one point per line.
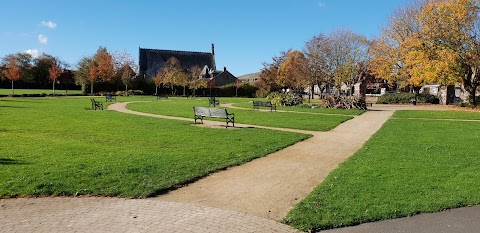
224	69
214	66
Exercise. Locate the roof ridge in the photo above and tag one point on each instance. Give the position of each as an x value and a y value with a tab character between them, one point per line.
169	50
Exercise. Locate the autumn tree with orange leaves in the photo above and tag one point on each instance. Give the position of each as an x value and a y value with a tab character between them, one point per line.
12	71
195	79
101	68
124	67
393	52
292	72
54	72
431	41
269	73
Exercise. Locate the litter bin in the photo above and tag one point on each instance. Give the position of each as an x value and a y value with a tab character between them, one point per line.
413	101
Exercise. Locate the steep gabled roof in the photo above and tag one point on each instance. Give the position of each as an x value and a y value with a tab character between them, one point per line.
151	60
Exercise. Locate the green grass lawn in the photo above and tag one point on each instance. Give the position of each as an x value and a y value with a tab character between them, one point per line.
184	108
53	146
350	112
37	91
438	115
408	167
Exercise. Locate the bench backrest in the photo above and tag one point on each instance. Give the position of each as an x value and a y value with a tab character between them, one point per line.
218	112
261	103
210	112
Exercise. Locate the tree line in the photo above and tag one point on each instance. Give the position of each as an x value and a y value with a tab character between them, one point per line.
102	68
424	42
40	71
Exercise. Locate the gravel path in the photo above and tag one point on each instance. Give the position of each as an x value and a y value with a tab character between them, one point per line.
270	186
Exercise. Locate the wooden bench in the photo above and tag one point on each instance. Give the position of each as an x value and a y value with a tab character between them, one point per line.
96	104
201	112
257	104
110	97
213	101
162	96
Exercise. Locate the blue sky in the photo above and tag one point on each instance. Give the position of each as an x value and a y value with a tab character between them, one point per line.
245	33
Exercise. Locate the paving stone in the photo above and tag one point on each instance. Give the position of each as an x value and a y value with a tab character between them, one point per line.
95	214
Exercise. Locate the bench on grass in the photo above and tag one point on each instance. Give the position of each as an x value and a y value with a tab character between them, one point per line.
201	112
96	104
162	96
110	97
213	101
257	104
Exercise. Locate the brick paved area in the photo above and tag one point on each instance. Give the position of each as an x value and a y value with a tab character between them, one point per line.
93	214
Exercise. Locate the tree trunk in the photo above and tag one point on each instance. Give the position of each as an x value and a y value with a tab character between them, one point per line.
126	88
156	90
183	90
53	87
312	89
470	85
91	88
13	91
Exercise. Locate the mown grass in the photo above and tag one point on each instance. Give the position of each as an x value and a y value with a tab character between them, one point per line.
53	146
464	115
406	168
349	112
4	91
184	108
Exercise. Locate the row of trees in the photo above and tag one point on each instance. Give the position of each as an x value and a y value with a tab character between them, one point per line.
172	74
105	67
40	71
326	60
431	42
425	41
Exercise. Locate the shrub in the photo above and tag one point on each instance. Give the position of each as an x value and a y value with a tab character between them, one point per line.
405	98
285	99
343	102
261	93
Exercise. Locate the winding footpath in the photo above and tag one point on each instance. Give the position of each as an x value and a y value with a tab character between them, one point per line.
247	198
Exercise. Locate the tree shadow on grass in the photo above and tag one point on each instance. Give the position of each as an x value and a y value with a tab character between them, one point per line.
4	161
20	101
3	106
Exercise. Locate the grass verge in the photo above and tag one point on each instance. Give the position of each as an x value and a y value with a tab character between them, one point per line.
37	91
406	168
53	146
184	108
462	115
350	112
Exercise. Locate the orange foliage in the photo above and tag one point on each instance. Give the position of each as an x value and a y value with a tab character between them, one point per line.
54	71
13	70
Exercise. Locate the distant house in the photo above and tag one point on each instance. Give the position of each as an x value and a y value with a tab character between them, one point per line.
250	78
222	78
152	60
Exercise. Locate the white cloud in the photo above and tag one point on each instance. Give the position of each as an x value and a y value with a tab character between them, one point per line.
49	24
321	4
42	39
33	52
